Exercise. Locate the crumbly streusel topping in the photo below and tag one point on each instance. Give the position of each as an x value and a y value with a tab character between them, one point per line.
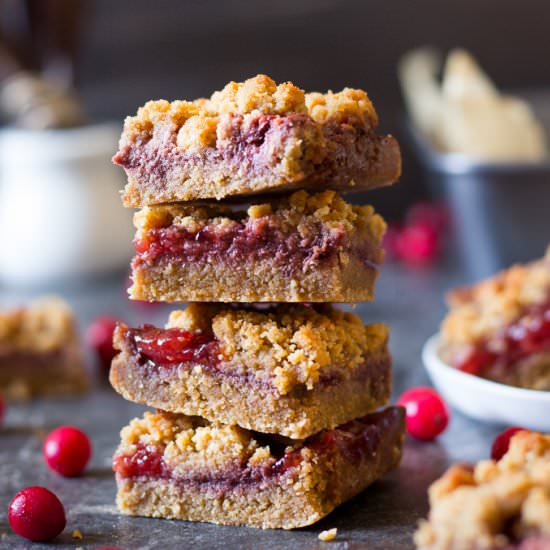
295	211
45	325
479	311
473	507
197	121
190	442
290	344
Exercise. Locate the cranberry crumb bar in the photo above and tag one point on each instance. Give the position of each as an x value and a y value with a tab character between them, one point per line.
500	328
254	137
178	467
290	370
298	248
502	505
39	351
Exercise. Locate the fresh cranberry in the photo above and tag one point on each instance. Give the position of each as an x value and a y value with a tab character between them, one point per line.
434	214
417	244
502	442
99	336
36	514
427	414
67	450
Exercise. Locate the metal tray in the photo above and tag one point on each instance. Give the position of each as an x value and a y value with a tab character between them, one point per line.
501	211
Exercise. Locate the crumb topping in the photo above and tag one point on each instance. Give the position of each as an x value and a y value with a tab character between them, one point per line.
349	105
295	211
486	506
197	121
190	442
291	344
479	311
259	93
45	325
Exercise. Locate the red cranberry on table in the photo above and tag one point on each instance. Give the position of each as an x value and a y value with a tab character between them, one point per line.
36	514
427	414
502	442
417	244
418	240
99	336
67	450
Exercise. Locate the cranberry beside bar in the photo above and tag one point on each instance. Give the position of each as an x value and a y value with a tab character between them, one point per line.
254	137
502	505
290	370
39	351
298	248
500	328
177	467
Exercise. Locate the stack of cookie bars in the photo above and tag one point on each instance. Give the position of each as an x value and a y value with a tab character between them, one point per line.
268	397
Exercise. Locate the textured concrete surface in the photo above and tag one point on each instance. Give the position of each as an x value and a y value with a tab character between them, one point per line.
382	518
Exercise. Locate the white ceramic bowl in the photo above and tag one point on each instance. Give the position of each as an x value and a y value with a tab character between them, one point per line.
61	215
485	400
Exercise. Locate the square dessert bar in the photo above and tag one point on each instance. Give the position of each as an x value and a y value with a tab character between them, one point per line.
254	137
297	248
500	328
290	370
39	350
502	505
173	466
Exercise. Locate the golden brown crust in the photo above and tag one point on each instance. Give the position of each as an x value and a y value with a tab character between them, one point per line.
482	310
486	506
254	281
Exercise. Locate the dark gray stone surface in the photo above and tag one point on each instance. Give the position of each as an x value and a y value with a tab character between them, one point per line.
383	517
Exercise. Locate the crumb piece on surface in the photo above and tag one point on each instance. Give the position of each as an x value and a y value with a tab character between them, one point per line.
328	535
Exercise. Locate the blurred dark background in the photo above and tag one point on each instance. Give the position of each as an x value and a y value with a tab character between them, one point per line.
129	51
134	50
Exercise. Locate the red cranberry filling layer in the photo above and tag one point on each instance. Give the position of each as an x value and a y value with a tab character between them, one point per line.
255	144
528	335
173	345
357	440
259	239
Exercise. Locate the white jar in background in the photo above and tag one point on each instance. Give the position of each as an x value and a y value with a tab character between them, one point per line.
61	216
